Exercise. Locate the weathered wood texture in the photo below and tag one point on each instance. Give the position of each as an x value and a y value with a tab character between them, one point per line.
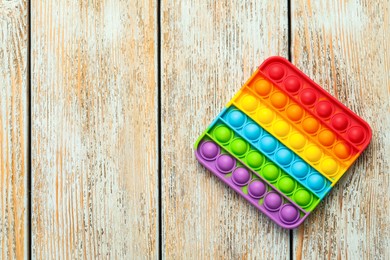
343	45
94	129
209	49
13	129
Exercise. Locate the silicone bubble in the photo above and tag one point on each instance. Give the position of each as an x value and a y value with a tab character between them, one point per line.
276	72
303	198
225	163
326	138
316	182
252	131
297	141
223	134
313	154
310	125
241	176
279	100
281	128
342	150
236	118
272	201
256	189
356	134
289	214
286	185
268	144
263	87
249	103
284	156
324	109
294	112
292	84
265	116
340	122
209	150
308	97
299	169
271	173
239	147
254	159
329	166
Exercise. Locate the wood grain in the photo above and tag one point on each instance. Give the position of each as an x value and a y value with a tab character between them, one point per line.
13	129
209	49
343	45
94	129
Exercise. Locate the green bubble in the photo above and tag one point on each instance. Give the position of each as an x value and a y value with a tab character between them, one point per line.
302	197
239	147
286	185
254	159
271	172
222	134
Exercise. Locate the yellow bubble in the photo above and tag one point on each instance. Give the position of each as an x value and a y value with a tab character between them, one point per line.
297	141
329	166
265	116
281	128
313	153
249	103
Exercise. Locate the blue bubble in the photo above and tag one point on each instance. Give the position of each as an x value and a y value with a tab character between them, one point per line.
299	169
316	182
236	118
252	131
284	156
268	144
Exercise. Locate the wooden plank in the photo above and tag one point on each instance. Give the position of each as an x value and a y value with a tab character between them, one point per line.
13	130
343	46
209	49
94	129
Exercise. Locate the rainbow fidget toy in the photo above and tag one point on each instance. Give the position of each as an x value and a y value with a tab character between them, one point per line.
282	142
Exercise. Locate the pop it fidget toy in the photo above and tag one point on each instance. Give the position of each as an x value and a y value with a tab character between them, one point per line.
282	142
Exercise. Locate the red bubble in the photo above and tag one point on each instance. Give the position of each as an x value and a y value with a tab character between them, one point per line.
292	84
356	134
340	122
308	97
276	72
324	109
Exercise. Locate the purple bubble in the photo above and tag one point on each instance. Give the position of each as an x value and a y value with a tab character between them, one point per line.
209	150
241	176
256	189
225	163
289	214
272	201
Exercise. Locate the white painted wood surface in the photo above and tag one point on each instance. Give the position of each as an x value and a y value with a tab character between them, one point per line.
13	130
94	129
95	126
209	49
343	45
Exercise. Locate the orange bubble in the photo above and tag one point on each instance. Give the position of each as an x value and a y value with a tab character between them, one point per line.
294	112
279	100
310	125
342	150
263	87
326	138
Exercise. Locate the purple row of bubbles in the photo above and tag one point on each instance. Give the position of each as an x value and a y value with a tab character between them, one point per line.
241	176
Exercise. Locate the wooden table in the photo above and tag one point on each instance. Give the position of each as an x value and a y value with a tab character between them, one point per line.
102	101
